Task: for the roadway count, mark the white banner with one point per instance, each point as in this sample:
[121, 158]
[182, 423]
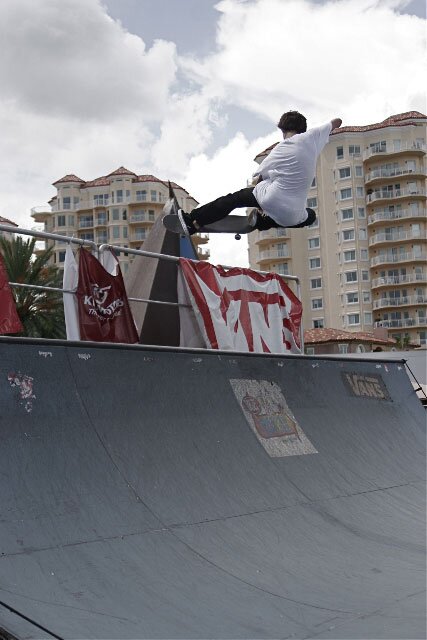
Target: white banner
[243, 310]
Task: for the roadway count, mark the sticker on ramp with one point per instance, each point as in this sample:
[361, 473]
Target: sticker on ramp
[270, 418]
[365, 386]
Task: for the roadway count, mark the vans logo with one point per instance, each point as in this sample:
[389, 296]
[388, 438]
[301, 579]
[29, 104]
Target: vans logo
[366, 386]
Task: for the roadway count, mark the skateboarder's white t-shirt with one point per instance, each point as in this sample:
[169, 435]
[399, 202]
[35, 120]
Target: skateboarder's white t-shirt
[287, 173]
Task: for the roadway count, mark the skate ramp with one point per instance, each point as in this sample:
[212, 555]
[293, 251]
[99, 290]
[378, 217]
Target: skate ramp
[161, 493]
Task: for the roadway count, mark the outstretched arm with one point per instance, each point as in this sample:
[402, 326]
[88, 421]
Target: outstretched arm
[336, 122]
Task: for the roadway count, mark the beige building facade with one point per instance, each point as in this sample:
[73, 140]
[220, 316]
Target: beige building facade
[363, 263]
[119, 208]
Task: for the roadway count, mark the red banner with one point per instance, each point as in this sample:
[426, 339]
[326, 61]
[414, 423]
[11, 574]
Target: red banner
[9, 319]
[243, 310]
[104, 312]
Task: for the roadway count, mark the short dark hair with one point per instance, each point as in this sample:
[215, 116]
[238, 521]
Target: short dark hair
[293, 121]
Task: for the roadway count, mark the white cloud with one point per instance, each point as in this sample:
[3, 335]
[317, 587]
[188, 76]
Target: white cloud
[70, 59]
[354, 58]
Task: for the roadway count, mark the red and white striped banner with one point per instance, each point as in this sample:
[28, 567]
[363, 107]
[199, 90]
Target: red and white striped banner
[242, 310]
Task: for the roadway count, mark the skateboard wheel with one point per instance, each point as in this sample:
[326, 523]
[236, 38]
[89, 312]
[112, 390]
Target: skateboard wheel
[237, 236]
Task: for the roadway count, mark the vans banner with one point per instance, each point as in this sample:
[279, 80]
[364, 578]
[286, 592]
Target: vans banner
[243, 310]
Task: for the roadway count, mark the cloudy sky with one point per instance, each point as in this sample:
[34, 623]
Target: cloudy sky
[189, 90]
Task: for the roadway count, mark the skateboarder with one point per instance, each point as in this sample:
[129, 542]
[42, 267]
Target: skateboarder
[284, 178]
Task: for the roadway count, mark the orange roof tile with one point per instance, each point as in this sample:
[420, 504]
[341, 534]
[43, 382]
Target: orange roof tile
[70, 177]
[121, 171]
[6, 221]
[313, 336]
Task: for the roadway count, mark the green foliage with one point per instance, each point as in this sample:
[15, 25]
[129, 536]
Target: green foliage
[41, 312]
[403, 341]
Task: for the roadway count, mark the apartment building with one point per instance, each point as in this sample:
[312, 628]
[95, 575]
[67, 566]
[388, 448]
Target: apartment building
[119, 208]
[6, 234]
[363, 263]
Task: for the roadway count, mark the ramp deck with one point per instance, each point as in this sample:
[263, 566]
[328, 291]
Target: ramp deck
[166, 493]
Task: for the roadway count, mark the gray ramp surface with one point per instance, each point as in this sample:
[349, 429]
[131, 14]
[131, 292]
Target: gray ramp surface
[165, 493]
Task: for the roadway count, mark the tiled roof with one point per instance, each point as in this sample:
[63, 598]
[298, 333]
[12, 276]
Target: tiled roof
[104, 181]
[121, 171]
[70, 177]
[6, 221]
[313, 336]
[401, 119]
[392, 121]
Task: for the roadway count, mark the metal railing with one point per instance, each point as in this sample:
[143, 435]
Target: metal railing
[99, 249]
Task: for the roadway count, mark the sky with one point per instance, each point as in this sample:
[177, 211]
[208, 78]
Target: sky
[189, 90]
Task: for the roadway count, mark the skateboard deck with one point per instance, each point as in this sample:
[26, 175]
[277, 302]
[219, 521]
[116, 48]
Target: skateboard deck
[230, 224]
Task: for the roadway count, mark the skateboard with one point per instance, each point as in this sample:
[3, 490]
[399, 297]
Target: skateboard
[231, 224]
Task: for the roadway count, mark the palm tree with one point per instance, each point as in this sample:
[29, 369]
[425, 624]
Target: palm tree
[41, 312]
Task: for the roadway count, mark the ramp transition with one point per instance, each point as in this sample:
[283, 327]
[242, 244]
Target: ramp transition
[160, 493]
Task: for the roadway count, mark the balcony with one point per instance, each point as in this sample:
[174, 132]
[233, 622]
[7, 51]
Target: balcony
[141, 217]
[101, 221]
[390, 149]
[41, 213]
[138, 237]
[379, 174]
[395, 194]
[406, 301]
[398, 236]
[398, 214]
[85, 223]
[393, 281]
[278, 254]
[402, 324]
[265, 237]
[395, 258]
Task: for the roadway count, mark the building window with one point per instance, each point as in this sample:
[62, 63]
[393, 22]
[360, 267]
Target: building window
[283, 269]
[358, 171]
[309, 351]
[317, 303]
[346, 194]
[61, 221]
[313, 184]
[71, 221]
[343, 348]
[316, 283]
[361, 212]
[116, 233]
[340, 153]
[354, 150]
[141, 196]
[153, 196]
[151, 215]
[315, 224]
[364, 254]
[366, 296]
[311, 203]
[351, 276]
[66, 203]
[352, 297]
[125, 232]
[347, 214]
[367, 317]
[318, 323]
[119, 195]
[345, 172]
[314, 263]
[353, 319]
[365, 276]
[348, 234]
[362, 234]
[116, 214]
[61, 256]
[314, 243]
[360, 192]
[350, 256]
